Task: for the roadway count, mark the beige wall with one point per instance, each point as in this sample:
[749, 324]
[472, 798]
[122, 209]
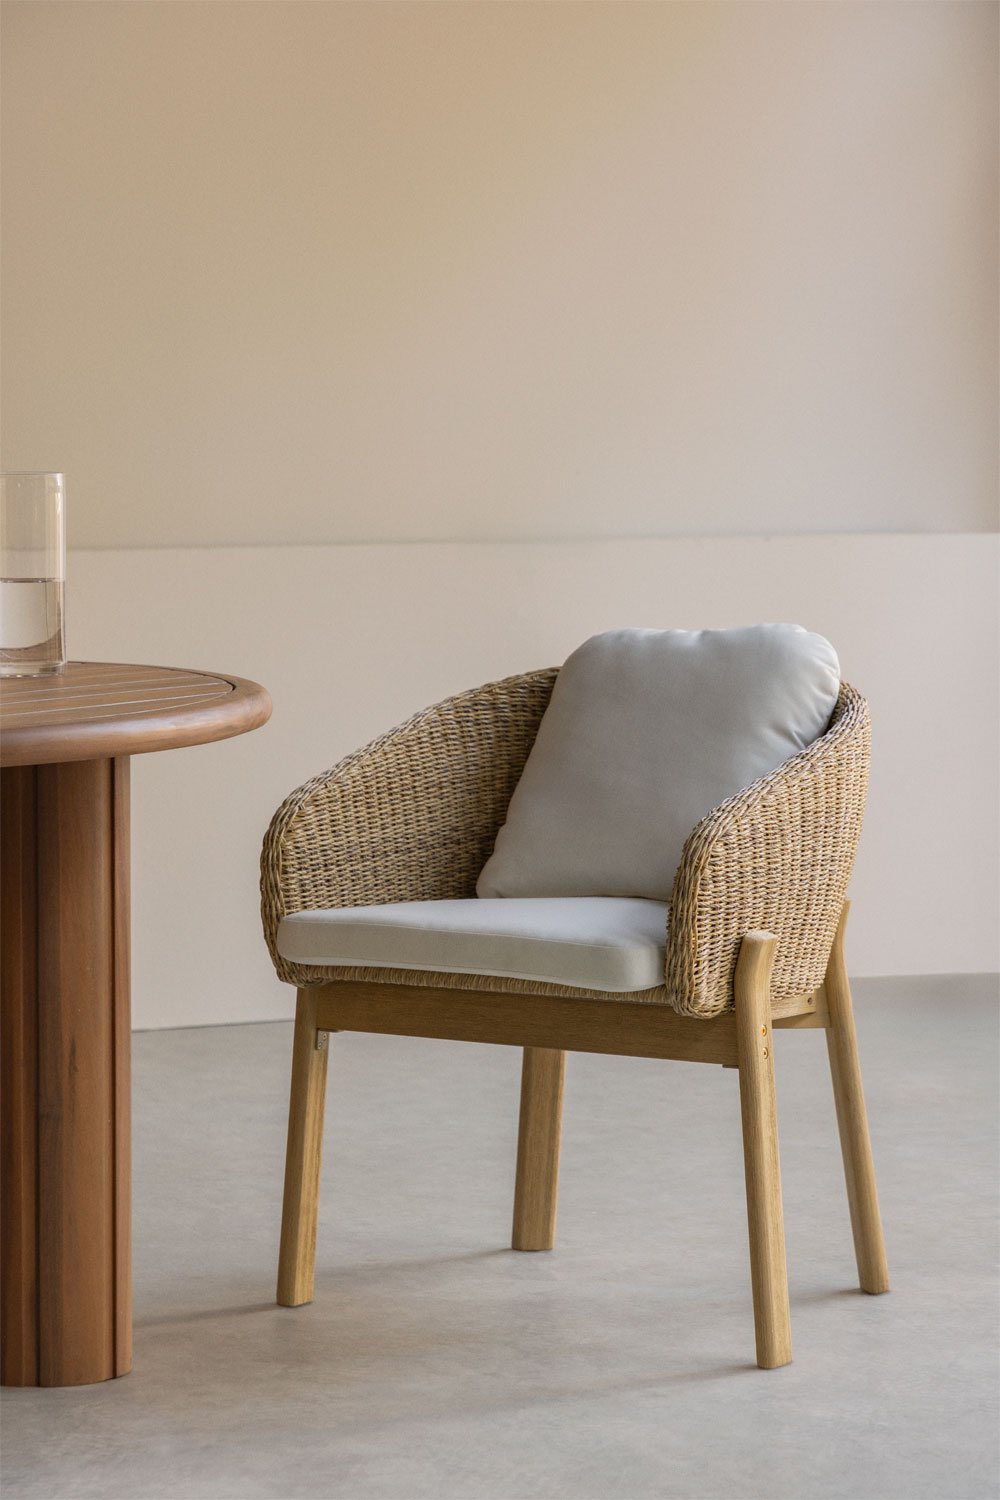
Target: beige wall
[312, 272]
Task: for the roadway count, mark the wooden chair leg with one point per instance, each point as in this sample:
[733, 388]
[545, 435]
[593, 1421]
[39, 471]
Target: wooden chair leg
[537, 1186]
[768, 1271]
[300, 1211]
[852, 1122]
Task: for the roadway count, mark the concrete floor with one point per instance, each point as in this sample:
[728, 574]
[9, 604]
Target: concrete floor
[436, 1363]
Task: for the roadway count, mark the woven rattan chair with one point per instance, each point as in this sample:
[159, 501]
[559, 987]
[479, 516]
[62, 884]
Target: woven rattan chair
[754, 944]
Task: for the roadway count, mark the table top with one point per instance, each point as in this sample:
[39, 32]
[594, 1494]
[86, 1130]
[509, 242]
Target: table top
[92, 709]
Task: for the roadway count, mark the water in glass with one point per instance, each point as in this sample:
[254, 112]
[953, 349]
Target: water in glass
[31, 626]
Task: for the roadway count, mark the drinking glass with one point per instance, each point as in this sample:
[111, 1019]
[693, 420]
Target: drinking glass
[32, 574]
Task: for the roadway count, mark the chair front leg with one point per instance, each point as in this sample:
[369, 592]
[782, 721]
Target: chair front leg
[536, 1189]
[765, 1217]
[300, 1211]
[852, 1122]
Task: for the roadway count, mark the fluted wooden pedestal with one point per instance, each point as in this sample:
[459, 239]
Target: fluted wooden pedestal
[65, 1050]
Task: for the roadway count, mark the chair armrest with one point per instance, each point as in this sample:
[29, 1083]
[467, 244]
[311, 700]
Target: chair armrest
[411, 817]
[775, 857]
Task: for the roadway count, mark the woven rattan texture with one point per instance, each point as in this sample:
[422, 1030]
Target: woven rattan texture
[774, 858]
[411, 817]
[414, 815]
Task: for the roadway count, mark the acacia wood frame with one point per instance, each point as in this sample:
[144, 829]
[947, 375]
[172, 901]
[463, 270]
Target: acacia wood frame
[549, 1026]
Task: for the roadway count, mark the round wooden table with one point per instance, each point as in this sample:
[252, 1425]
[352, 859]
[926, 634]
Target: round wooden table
[65, 1038]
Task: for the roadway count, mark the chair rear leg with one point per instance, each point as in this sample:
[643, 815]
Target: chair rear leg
[537, 1186]
[300, 1211]
[768, 1273]
[852, 1122]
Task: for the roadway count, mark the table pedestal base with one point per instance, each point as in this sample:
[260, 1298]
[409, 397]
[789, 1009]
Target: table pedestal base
[65, 1049]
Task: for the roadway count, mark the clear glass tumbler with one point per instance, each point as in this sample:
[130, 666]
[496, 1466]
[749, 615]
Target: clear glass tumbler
[32, 574]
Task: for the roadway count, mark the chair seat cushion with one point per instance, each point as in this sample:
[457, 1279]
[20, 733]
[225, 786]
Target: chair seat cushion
[645, 733]
[591, 942]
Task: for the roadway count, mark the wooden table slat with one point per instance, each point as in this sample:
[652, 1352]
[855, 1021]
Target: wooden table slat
[114, 703]
[77, 689]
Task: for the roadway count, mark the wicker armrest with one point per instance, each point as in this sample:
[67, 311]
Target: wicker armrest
[411, 817]
[775, 857]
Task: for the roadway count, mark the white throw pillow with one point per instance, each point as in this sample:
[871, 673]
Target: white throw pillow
[646, 731]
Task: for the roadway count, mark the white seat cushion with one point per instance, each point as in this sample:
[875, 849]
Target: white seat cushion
[589, 942]
[646, 732]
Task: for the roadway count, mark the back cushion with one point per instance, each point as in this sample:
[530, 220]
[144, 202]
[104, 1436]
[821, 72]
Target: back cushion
[646, 731]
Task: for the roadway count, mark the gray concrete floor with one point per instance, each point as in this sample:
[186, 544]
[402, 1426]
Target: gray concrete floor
[434, 1362]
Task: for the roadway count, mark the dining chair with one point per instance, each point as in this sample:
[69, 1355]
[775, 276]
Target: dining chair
[645, 852]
